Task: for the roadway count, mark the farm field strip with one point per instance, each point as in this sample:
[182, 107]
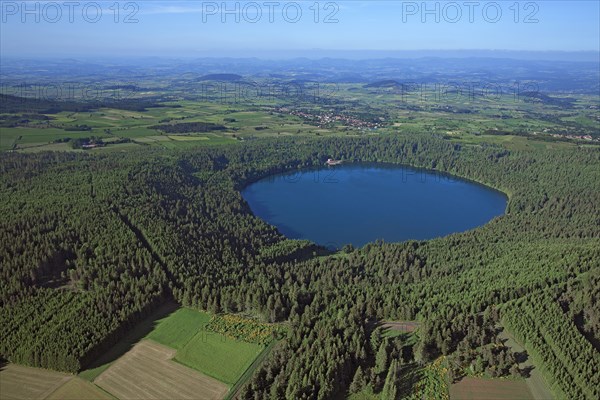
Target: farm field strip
[470, 388]
[235, 389]
[19, 382]
[79, 389]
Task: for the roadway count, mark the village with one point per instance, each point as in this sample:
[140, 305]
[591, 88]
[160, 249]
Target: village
[326, 119]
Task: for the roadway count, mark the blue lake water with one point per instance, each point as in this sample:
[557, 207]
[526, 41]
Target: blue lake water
[360, 203]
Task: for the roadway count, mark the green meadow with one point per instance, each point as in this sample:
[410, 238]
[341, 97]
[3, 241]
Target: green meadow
[178, 328]
[218, 356]
[211, 353]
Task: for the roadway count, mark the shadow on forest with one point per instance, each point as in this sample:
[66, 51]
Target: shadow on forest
[521, 357]
[526, 372]
[411, 374]
[141, 330]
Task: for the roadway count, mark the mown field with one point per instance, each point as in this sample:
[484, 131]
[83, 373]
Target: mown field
[79, 389]
[18, 382]
[140, 331]
[218, 356]
[177, 329]
[171, 354]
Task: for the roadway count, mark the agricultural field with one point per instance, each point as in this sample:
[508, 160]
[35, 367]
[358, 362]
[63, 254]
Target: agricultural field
[211, 353]
[506, 118]
[79, 389]
[244, 329]
[24, 383]
[471, 388]
[136, 129]
[218, 356]
[179, 342]
[177, 329]
[19, 382]
[147, 372]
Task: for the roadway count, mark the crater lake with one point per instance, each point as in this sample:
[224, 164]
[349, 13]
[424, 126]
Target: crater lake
[361, 203]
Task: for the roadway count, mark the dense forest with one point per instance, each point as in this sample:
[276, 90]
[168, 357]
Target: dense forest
[91, 243]
[45, 105]
[188, 127]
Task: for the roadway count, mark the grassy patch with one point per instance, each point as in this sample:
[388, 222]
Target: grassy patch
[535, 381]
[365, 394]
[218, 356]
[177, 329]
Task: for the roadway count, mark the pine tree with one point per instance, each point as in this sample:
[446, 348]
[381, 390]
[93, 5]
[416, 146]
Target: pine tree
[359, 381]
[390, 389]
[381, 359]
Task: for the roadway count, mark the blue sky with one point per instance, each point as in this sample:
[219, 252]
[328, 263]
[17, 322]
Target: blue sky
[197, 28]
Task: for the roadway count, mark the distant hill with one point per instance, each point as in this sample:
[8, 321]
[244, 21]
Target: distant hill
[564, 102]
[189, 127]
[383, 84]
[13, 104]
[221, 77]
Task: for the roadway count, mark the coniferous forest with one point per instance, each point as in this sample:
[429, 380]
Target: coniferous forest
[92, 243]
